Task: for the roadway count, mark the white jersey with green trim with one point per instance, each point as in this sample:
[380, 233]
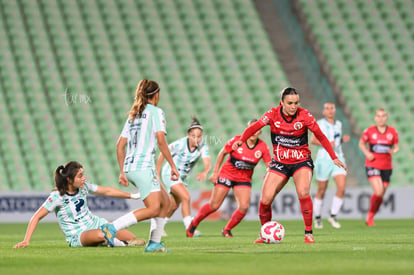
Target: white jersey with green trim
[140, 132]
[185, 159]
[72, 210]
[334, 133]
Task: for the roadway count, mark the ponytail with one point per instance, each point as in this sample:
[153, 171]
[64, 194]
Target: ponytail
[195, 124]
[146, 89]
[64, 173]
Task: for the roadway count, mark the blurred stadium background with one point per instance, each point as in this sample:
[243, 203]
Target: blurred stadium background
[69, 70]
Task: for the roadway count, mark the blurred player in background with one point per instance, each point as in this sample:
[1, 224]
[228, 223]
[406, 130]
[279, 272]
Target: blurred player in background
[382, 143]
[69, 202]
[235, 173]
[289, 125]
[325, 168]
[144, 129]
[186, 152]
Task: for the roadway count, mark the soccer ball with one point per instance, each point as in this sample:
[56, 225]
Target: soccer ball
[272, 232]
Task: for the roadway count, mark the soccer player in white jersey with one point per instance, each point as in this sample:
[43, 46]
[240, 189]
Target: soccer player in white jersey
[69, 202]
[186, 152]
[144, 129]
[325, 168]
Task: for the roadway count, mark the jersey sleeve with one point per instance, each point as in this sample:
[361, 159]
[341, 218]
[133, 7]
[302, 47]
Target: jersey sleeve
[205, 152]
[252, 129]
[158, 119]
[365, 135]
[396, 137]
[266, 154]
[90, 187]
[229, 144]
[125, 130]
[52, 201]
[174, 147]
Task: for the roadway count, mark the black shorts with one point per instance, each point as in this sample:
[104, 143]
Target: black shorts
[288, 170]
[226, 183]
[374, 172]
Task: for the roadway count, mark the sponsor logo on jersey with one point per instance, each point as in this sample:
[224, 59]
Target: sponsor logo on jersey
[240, 150]
[288, 142]
[277, 124]
[374, 136]
[389, 136]
[258, 154]
[381, 149]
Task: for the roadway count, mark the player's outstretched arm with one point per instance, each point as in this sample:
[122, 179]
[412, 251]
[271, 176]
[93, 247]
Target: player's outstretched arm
[120, 153]
[31, 227]
[220, 158]
[114, 193]
[207, 167]
[163, 146]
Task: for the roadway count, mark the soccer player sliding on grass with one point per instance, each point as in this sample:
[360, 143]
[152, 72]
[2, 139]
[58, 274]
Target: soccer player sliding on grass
[289, 125]
[69, 202]
[236, 173]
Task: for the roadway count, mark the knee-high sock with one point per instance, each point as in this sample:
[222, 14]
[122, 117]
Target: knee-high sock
[307, 211]
[125, 221]
[317, 207]
[265, 213]
[336, 205]
[375, 204]
[235, 219]
[204, 211]
[156, 233]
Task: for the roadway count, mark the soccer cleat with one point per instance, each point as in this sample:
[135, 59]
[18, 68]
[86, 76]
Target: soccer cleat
[156, 247]
[370, 222]
[309, 238]
[333, 222]
[318, 223]
[227, 233]
[259, 240]
[135, 242]
[109, 232]
[191, 230]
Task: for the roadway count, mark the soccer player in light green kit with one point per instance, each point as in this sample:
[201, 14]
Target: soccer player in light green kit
[144, 128]
[186, 152]
[69, 202]
[325, 168]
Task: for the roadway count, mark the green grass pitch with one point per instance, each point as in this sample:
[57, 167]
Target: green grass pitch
[387, 248]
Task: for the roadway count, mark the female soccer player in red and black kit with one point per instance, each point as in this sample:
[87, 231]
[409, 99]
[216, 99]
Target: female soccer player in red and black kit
[289, 126]
[236, 173]
[382, 144]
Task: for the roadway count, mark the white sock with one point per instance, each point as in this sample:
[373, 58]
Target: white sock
[124, 221]
[187, 220]
[118, 242]
[153, 225]
[336, 205]
[317, 207]
[156, 234]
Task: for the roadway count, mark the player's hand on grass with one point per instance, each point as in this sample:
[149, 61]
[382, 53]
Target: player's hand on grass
[22, 244]
[123, 179]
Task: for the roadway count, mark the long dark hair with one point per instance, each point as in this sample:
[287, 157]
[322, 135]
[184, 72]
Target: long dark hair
[65, 172]
[288, 91]
[146, 89]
